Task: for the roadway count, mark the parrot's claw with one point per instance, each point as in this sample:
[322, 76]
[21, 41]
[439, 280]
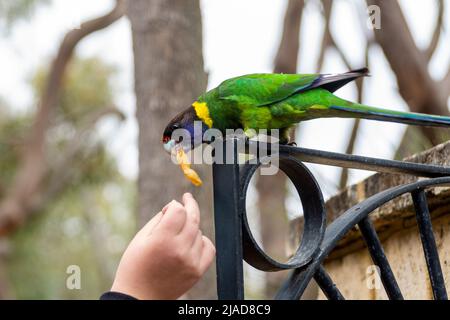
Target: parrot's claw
[292, 144]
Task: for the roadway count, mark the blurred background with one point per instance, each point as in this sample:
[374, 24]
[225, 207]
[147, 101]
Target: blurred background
[86, 88]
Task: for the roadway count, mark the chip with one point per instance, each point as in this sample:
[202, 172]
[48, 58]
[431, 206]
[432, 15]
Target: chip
[185, 165]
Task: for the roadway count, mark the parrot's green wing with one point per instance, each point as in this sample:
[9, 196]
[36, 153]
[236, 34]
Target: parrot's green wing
[264, 89]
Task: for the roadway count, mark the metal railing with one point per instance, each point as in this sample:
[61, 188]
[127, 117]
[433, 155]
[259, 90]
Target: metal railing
[235, 242]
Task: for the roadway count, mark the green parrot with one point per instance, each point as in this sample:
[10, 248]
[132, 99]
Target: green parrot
[279, 101]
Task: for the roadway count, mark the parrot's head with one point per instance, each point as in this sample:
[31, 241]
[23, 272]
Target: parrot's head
[184, 122]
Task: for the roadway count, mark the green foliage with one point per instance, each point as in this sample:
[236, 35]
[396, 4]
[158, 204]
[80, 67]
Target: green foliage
[13, 10]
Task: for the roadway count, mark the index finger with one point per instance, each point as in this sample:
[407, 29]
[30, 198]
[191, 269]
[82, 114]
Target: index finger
[192, 208]
[150, 225]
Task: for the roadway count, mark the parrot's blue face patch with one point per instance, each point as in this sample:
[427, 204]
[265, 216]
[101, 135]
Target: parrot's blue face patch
[196, 130]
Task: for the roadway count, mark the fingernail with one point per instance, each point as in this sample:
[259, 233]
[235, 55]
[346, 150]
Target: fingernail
[175, 203]
[164, 209]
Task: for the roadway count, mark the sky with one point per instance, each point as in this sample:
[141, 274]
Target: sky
[239, 37]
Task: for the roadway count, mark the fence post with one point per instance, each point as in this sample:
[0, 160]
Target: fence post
[228, 228]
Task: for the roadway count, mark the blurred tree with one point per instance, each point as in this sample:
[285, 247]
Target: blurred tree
[13, 11]
[169, 76]
[45, 153]
[25, 189]
[89, 226]
[80, 173]
[410, 65]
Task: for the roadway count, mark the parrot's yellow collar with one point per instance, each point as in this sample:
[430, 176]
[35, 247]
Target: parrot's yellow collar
[202, 111]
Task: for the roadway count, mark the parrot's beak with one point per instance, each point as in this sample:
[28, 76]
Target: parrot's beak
[169, 145]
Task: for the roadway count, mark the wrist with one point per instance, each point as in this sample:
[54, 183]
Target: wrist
[135, 291]
[113, 295]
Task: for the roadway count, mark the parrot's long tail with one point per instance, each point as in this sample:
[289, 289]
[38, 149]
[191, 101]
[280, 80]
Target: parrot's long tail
[366, 112]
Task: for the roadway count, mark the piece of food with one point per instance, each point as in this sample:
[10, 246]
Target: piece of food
[185, 165]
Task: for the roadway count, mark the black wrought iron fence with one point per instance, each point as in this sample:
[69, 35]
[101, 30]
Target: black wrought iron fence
[235, 242]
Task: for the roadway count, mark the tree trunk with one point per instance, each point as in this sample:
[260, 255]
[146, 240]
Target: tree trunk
[169, 76]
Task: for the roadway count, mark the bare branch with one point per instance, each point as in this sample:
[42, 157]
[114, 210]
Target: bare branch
[410, 66]
[445, 84]
[437, 31]
[326, 41]
[328, 38]
[286, 58]
[32, 169]
[340, 52]
[408, 63]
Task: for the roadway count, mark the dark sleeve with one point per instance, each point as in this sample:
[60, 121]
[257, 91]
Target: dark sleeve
[112, 295]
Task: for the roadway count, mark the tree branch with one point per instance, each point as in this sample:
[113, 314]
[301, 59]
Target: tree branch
[437, 32]
[31, 171]
[408, 63]
[326, 41]
[328, 38]
[286, 58]
[410, 66]
[445, 83]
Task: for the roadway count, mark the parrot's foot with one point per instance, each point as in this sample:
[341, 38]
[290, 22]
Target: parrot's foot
[286, 141]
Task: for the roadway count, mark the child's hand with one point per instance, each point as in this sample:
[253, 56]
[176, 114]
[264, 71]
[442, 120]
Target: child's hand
[167, 256]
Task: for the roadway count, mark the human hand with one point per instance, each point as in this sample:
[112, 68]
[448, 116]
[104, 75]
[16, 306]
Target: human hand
[167, 256]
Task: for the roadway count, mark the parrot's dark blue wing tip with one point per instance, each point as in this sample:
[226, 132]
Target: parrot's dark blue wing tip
[333, 82]
[362, 71]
